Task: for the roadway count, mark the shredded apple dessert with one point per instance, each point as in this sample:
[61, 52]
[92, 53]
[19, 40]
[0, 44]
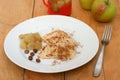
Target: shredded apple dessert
[59, 45]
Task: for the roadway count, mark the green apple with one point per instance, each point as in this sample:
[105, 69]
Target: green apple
[86, 4]
[103, 10]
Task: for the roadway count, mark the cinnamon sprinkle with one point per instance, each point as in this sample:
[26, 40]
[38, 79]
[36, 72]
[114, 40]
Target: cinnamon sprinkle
[60, 46]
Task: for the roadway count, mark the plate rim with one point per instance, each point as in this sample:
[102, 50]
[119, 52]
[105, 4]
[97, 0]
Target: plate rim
[49, 16]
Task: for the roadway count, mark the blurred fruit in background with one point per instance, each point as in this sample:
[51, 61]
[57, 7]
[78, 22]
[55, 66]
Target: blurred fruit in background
[86, 4]
[103, 10]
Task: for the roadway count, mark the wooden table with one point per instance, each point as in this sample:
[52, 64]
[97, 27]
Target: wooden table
[13, 12]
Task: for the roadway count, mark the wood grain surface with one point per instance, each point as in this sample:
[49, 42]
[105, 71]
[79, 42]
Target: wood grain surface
[12, 12]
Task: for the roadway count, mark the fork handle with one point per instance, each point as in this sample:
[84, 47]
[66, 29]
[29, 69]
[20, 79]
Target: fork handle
[99, 63]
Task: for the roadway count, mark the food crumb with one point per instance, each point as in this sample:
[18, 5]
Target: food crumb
[78, 52]
[55, 62]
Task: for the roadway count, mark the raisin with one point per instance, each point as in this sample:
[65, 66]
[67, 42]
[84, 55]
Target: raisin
[30, 57]
[32, 54]
[26, 51]
[35, 50]
[38, 60]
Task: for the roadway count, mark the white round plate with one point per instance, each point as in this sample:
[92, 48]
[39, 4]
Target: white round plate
[82, 33]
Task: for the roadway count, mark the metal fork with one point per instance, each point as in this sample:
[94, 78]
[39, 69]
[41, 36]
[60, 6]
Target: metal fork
[105, 40]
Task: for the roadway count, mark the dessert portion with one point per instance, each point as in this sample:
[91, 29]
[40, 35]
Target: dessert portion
[59, 45]
[30, 41]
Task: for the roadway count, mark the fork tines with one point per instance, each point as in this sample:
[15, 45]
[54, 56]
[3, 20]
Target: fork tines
[107, 33]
